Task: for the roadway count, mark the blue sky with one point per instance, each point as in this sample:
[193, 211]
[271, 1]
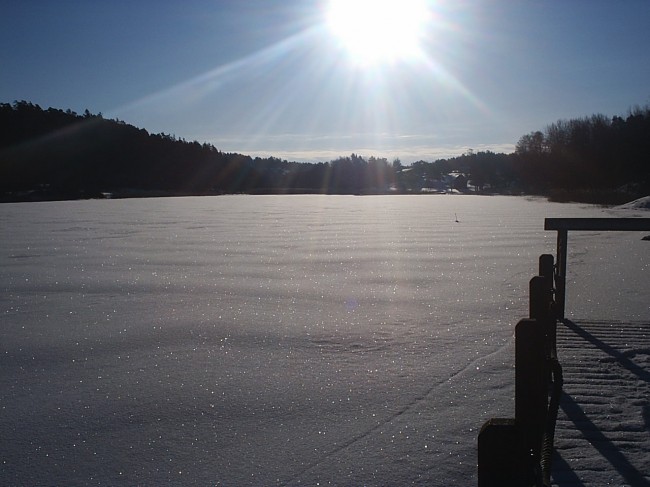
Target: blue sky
[265, 77]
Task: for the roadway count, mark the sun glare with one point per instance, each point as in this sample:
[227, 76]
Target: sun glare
[378, 31]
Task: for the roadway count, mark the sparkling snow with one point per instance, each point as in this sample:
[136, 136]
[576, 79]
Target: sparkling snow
[279, 340]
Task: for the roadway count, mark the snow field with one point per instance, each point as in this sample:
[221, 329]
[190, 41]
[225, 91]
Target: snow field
[274, 340]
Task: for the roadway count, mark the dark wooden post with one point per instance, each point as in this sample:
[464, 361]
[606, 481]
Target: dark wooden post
[560, 272]
[546, 262]
[542, 306]
[498, 453]
[531, 390]
[540, 299]
[546, 270]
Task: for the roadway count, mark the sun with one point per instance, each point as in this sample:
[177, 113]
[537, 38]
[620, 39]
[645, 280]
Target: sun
[378, 31]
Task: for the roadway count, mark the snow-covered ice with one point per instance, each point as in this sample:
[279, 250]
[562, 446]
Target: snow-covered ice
[277, 340]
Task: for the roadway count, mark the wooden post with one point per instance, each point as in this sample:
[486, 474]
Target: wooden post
[546, 270]
[560, 272]
[531, 390]
[540, 299]
[546, 262]
[498, 453]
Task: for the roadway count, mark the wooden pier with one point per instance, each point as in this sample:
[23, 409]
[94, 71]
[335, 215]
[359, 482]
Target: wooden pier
[519, 451]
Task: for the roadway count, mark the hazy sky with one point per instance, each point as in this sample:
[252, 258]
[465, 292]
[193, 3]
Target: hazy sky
[266, 77]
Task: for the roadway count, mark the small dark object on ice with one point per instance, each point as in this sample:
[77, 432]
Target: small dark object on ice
[647, 237]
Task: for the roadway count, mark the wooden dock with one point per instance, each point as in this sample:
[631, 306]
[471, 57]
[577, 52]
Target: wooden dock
[603, 426]
[582, 414]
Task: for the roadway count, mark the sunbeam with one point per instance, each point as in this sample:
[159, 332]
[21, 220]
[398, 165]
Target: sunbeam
[195, 89]
[303, 94]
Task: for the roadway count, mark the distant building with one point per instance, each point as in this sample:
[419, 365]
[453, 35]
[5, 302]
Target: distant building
[435, 186]
[457, 181]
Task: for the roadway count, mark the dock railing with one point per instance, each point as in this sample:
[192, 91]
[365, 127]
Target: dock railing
[517, 451]
[564, 225]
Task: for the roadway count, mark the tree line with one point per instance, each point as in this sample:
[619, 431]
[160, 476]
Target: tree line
[56, 154]
[596, 154]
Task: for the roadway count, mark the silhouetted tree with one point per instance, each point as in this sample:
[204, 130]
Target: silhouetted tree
[53, 154]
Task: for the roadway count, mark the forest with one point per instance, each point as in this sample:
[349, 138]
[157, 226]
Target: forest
[52, 154]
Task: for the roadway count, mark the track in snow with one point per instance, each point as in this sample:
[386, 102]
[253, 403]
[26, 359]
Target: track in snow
[413, 404]
[603, 427]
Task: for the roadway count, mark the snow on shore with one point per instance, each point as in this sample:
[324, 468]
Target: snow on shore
[639, 204]
[275, 340]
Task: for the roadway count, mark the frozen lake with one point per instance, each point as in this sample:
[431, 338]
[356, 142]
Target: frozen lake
[277, 340]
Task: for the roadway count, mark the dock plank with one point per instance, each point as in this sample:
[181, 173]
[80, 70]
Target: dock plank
[603, 427]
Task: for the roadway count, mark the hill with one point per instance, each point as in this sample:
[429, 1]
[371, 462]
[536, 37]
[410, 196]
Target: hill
[51, 154]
